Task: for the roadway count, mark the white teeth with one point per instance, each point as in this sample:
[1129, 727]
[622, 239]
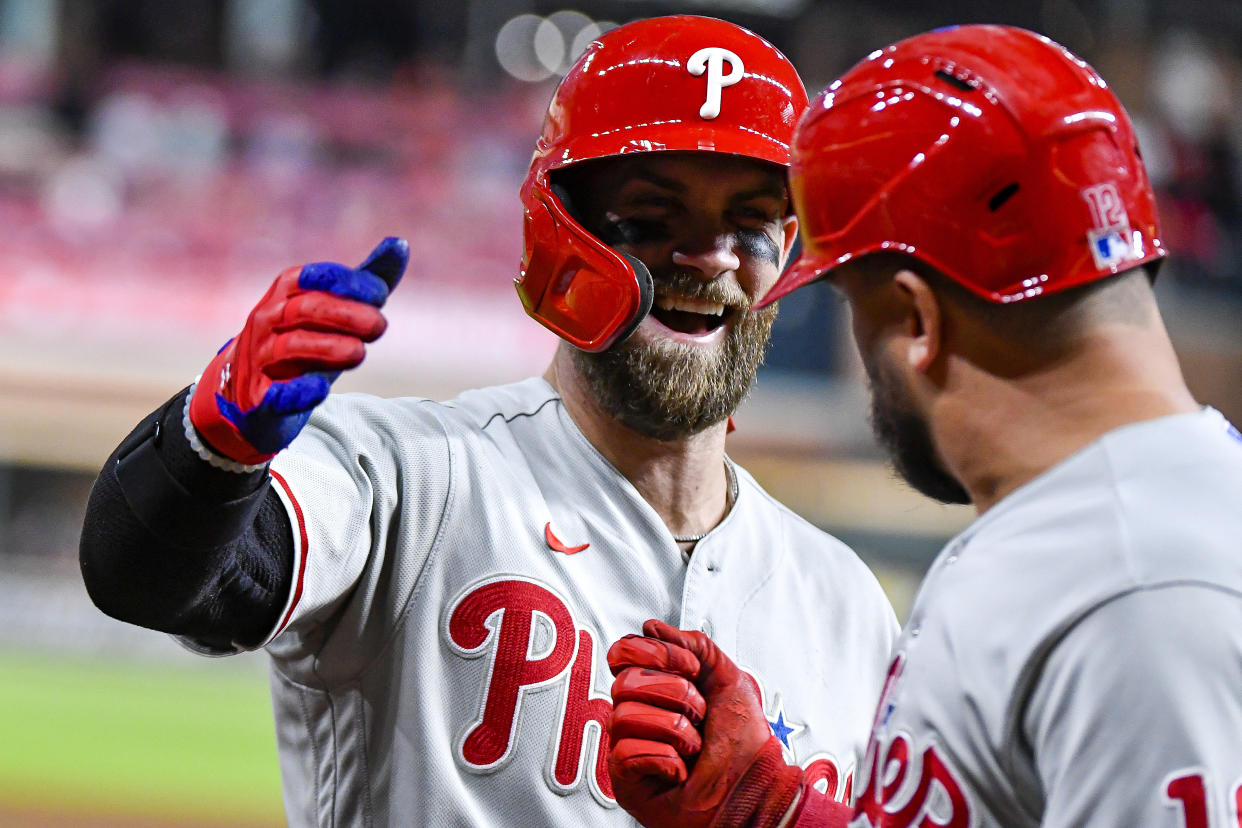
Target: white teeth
[690, 305]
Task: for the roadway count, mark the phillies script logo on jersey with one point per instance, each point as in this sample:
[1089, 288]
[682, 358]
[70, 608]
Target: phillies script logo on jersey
[534, 644]
[527, 631]
[905, 784]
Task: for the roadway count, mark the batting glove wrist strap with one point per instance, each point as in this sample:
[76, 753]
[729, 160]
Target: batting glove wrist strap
[201, 449]
[763, 795]
[817, 810]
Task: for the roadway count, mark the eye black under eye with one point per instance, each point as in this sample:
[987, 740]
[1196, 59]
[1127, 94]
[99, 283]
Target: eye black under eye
[759, 245]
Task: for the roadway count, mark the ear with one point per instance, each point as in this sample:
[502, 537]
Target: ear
[926, 319]
[790, 226]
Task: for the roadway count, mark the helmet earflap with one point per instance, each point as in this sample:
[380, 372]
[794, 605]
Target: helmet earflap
[599, 296]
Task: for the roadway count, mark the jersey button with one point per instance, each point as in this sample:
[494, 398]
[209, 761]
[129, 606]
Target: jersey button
[705, 627]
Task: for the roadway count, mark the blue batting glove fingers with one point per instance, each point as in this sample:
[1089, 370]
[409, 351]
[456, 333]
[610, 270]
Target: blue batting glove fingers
[272, 424]
[299, 394]
[388, 260]
[370, 282]
[331, 277]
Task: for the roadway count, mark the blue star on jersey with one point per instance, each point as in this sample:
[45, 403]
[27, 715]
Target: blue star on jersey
[782, 728]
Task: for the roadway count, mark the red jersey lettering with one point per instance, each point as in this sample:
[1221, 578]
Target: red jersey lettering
[514, 617]
[887, 811]
[823, 774]
[584, 711]
[1190, 791]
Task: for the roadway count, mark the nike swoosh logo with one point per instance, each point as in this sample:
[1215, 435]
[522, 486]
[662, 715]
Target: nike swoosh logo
[555, 544]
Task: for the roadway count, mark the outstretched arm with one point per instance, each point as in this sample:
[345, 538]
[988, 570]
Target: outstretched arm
[183, 532]
[669, 681]
[174, 544]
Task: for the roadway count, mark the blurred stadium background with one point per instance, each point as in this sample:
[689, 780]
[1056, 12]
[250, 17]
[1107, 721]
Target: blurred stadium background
[161, 160]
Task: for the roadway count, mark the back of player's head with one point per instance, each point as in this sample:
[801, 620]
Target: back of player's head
[990, 153]
[1029, 330]
[667, 84]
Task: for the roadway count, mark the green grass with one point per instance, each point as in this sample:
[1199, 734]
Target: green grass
[160, 743]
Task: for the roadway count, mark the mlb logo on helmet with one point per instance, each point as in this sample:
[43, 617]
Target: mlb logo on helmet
[1109, 236]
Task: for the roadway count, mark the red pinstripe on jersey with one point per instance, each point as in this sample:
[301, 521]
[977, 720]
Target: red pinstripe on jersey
[301, 576]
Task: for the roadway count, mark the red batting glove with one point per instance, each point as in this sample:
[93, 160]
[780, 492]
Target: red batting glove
[258, 392]
[655, 715]
[739, 777]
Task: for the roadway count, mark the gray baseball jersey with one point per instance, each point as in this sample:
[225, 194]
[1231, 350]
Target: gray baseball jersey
[461, 570]
[1074, 657]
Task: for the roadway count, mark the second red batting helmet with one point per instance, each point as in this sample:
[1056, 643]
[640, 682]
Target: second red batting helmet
[989, 152]
[679, 83]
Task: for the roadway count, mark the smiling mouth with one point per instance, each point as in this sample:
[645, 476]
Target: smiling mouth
[689, 316]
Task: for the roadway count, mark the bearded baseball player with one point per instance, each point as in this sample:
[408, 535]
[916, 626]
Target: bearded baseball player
[1074, 657]
[436, 583]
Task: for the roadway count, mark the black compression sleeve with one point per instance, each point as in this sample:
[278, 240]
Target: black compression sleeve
[171, 543]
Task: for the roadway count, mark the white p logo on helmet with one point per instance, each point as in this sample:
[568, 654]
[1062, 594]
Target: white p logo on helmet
[711, 60]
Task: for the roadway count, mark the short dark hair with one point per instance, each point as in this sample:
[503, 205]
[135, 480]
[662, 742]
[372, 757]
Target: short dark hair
[1043, 323]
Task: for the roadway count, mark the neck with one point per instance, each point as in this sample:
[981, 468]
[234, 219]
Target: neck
[1007, 431]
[684, 480]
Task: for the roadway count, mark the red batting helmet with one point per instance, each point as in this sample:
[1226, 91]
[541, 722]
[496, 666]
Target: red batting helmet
[678, 83]
[989, 152]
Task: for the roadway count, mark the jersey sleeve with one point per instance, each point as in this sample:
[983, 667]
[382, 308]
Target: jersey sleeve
[364, 487]
[1134, 719]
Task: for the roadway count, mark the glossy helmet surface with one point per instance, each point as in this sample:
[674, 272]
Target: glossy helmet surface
[989, 152]
[678, 83]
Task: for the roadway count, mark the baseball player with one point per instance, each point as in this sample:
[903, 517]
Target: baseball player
[436, 583]
[1074, 657]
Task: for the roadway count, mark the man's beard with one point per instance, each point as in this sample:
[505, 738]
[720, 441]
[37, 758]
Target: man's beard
[668, 390]
[906, 437]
